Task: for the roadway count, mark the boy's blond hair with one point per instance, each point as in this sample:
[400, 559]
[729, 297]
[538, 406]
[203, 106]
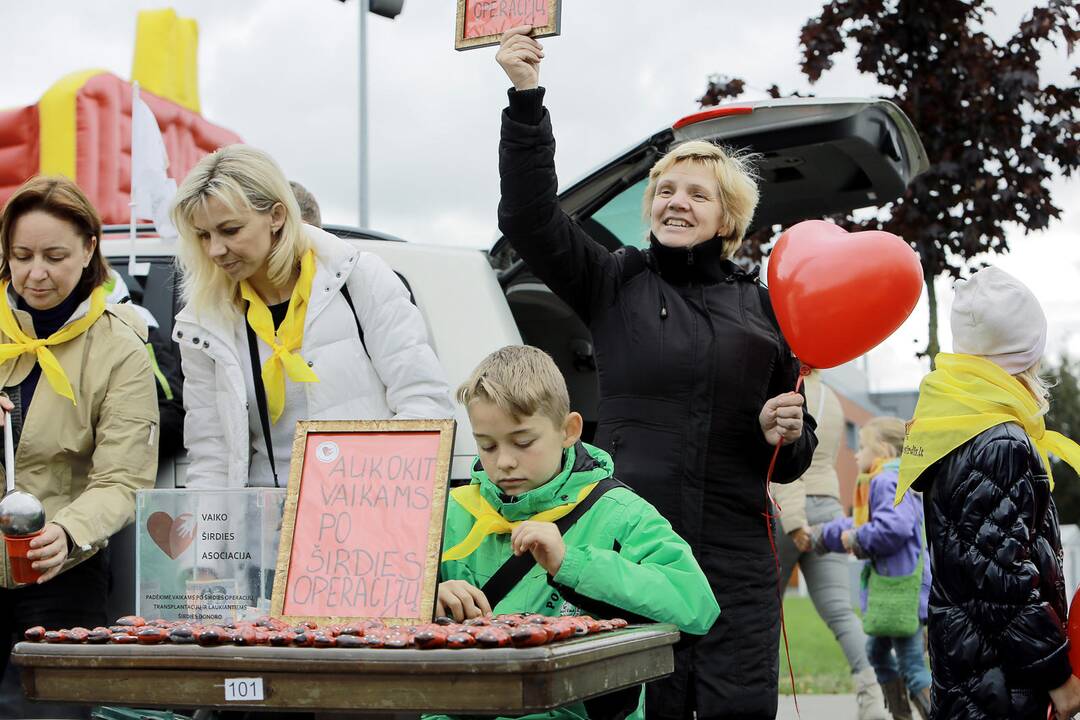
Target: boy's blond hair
[521, 381]
[887, 433]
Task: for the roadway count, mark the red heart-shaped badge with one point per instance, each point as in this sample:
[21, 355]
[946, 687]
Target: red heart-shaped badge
[172, 536]
[837, 294]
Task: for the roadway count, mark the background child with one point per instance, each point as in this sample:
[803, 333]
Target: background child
[977, 449]
[620, 556]
[892, 540]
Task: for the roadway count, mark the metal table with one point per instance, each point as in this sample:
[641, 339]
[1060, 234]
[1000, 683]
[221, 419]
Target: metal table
[473, 681]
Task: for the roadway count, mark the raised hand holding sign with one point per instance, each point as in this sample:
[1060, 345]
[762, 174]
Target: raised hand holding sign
[519, 56]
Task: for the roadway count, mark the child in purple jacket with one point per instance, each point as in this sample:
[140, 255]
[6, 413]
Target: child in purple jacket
[890, 537]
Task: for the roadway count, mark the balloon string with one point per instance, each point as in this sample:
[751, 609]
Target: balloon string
[804, 370]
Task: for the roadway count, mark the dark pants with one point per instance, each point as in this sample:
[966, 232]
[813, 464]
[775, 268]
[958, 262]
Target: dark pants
[75, 598]
[731, 672]
[894, 657]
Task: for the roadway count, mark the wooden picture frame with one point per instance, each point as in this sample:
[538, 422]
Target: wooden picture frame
[499, 20]
[318, 463]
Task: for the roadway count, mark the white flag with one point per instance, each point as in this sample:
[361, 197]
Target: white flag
[152, 190]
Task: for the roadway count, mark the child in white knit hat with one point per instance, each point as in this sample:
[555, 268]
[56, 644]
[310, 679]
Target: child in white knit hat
[978, 450]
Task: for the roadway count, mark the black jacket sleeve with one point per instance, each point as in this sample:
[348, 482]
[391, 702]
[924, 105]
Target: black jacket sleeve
[993, 510]
[170, 382]
[576, 268]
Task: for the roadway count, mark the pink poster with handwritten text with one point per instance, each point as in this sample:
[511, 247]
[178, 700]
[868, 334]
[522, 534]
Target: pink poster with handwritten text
[493, 17]
[360, 540]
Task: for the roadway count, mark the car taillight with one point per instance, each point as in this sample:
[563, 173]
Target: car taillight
[710, 114]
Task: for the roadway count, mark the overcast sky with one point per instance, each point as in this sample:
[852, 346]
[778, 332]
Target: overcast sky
[283, 75]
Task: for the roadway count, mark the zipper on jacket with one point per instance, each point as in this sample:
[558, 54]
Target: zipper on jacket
[690, 256]
[707, 313]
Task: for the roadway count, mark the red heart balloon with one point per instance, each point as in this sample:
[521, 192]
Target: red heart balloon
[838, 294]
[1073, 632]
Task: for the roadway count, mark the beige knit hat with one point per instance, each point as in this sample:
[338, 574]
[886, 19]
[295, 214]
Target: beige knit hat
[994, 315]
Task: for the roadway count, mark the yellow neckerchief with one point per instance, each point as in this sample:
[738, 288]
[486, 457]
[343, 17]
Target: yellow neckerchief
[860, 503]
[23, 343]
[964, 396]
[283, 360]
[488, 519]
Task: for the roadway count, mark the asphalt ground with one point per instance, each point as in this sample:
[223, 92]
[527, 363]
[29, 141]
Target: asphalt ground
[817, 707]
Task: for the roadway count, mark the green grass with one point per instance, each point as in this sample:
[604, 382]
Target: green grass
[816, 658]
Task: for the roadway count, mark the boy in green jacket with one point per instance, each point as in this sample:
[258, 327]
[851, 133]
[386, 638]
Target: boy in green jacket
[532, 469]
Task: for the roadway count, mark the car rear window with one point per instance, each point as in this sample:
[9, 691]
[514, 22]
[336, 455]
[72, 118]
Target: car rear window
[621, 216]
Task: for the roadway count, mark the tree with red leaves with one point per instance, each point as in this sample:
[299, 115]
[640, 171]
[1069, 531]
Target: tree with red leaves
[995, 135]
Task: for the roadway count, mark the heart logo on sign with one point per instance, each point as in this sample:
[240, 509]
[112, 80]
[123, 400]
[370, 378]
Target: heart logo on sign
[173, 536]
[837, 294]
[327, 452]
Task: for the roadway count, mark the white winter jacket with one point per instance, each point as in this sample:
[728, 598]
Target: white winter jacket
[402, 379]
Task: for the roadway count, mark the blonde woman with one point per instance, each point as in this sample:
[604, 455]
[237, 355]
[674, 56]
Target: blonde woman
[695, 378]
[283, 322]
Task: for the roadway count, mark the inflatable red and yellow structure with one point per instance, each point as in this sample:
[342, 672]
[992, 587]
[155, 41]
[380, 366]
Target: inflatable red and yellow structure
[81, 126]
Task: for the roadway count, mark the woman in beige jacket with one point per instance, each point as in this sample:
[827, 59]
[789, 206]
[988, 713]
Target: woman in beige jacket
[811, 500]
[77, 381]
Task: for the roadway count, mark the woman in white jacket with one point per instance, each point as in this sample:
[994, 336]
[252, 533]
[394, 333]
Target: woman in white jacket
[334, 333]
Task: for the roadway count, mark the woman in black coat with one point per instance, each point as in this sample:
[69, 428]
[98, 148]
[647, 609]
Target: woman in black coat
[695, 378]
[997, 646]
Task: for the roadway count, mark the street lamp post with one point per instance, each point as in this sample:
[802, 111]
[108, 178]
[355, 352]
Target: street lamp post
[362, 152]
[388, 9]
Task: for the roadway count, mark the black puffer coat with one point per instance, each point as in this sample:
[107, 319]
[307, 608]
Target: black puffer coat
[687, 354]
[997, 604]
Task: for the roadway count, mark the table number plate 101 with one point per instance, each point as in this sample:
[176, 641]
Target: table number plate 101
[243, 689]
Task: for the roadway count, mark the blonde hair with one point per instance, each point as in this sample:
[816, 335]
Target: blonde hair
[735, 178]
[887, 433]
[241, 178]
[1037, 386]
[521, 381]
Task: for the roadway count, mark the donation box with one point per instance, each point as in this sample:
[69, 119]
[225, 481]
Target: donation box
[356, 534]
[206, 555]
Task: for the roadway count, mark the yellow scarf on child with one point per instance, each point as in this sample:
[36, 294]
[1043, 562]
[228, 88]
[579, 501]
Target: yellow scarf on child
[23, 343]
[964, 396]
[489, 521]
[284, 360]
[860, 503]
